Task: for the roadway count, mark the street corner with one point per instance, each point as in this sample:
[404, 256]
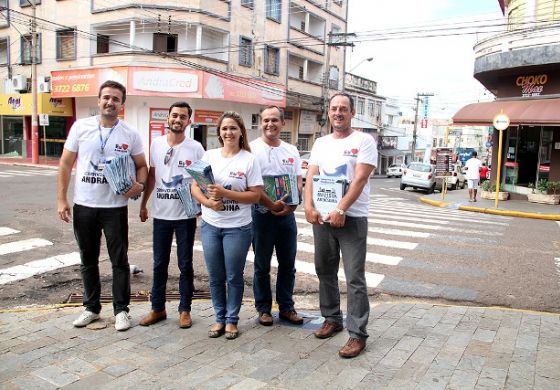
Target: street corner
[511, 213]
[434, 202]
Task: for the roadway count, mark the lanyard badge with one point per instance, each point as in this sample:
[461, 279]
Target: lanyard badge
[103, 142]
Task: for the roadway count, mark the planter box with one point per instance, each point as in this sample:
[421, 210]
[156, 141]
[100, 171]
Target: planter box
[492, 195]
[544, 198]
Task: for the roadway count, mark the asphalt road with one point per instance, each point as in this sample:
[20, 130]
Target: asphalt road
[415, 251]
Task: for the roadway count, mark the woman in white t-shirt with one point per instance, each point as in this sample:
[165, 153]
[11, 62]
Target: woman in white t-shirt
[226, 228]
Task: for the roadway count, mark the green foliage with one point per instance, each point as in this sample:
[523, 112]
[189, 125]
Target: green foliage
[547, 187]
[489, 186]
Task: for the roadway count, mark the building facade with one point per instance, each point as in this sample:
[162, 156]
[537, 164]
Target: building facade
[218, 55]
[521, 67]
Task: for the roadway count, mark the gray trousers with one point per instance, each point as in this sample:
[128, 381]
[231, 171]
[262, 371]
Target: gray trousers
[351, 240]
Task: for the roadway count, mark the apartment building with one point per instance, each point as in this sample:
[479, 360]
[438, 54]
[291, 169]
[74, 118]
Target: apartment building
[521, 67]
[219, 55]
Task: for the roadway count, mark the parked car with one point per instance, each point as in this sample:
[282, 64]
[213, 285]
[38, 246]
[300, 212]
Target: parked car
[455, 181]
[304, 156]
[395, 170]
[419, 175]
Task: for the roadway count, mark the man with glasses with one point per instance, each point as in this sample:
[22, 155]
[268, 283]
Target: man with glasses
[169, 156]
[93, 142]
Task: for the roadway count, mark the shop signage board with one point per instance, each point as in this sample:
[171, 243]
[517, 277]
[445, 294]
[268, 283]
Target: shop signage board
[20, 104]
[444, 161]
[172, 82]
[207, 117]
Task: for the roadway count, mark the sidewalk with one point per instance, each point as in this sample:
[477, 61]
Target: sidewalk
[411, 345]
[459, 199]
[51, 163]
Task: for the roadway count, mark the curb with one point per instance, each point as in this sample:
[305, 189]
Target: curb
[24, 164]
[508, 213]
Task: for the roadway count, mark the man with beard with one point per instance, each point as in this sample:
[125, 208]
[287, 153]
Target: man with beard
[169, 156]
[94, 141]
[351, 155]
[274, 223]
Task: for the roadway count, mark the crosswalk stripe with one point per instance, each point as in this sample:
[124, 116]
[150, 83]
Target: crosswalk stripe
[435, 216]
[372, 279]
[6, 231]
[36, 267]
[372, 241]
[23, 245]
[371, 257]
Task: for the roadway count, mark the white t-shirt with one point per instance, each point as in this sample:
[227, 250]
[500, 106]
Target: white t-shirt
[91, 188]
[276, 160]
[165, 200]
[473, 166]
[338, 158]
[236, 173]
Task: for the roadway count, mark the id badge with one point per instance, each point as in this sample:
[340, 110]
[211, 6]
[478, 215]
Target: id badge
[101, 164]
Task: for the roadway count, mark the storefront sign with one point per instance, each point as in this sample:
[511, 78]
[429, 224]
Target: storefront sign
[158, 122]
[532, 85]
[207, 117]
[501, 121]
[173, 82]
[20, 104]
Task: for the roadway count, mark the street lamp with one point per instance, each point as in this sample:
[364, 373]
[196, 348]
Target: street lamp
[369, 59]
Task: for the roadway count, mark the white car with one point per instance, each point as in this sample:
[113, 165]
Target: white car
[419, 175]
[455, 181]
[395, 170]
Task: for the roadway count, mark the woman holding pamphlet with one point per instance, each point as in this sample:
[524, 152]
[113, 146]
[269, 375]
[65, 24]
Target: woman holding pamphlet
[232, 183]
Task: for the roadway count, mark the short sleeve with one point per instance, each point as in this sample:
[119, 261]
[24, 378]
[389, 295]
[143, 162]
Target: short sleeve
[254, 177]
[72, 143]
[368, 152]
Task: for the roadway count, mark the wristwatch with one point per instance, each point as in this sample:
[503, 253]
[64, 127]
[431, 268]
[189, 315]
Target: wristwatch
[339, 211]
[143, 185]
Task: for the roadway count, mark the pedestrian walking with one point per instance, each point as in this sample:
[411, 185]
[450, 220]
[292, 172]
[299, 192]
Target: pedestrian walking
[93, 142]
[473, 167]
[169, 156]
[274, 223]
[226, 227]
[351, 155]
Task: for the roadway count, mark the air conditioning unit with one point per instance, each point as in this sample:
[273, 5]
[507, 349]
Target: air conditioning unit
[43, 85]
[19, 82]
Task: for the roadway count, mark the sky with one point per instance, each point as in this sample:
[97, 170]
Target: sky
[403, 67]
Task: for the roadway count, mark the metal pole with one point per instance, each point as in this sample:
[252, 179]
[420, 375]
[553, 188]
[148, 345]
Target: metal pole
[34, 121]
[498, 179]
[413, 149]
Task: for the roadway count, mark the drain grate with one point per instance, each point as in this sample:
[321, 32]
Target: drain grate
[137, 297]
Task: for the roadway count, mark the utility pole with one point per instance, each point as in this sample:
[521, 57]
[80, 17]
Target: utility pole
[418, 97]
[326, 75]
[34, 116]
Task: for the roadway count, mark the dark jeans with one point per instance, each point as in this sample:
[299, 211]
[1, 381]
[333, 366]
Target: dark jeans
[89, 222]
[163, 236]
[269, 233]
[351, 240]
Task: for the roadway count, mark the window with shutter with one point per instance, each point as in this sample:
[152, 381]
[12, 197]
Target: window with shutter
[66, 44]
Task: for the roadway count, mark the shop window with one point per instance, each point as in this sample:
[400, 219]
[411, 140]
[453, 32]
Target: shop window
[66, 44]
[272, 60]
[26, 50]
[245, 51]
[102, 44]
[4, 51]
[274, 10]
[545, 154]
[165, 43]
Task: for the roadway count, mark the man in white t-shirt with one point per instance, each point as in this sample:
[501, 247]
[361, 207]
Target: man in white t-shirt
[473, 167]
[93, 142]
[274, 223]
[351, 155]
[169, 156]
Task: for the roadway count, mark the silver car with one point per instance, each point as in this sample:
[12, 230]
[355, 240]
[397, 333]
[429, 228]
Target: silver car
[419, 175]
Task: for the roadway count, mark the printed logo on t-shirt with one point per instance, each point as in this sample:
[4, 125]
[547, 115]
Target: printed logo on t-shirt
[351, 153]
[175, 181]
[95, 176]
[338, 171]
[184, 164]
[288, 161]
[121, 147]
[169, 192]
[237, 175]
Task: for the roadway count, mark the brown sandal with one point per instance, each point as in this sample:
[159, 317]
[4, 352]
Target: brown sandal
[214, 333]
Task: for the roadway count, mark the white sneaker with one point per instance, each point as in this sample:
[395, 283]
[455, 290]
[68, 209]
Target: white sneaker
[122, 321]
[87, 317]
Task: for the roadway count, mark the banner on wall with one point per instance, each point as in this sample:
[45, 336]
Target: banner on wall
[20, 104]
[172, 82]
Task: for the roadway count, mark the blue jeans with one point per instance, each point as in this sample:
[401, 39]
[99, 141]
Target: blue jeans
[89, 223]
[269, 233]
[225, 253]
[163, 236]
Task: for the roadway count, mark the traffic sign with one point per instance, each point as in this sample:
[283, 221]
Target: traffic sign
[501, 121]
[43, 119]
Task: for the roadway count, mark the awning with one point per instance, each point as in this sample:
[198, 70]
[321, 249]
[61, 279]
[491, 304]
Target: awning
[390, 152]
[526, 111]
